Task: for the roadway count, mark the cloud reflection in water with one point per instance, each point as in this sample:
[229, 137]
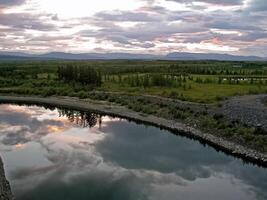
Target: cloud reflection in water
[63, 154]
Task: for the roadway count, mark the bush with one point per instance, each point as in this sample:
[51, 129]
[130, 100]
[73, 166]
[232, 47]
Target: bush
[219, 98]
[148, 110]
[173, 95]
[177, 114]
[218, 116]
[82, 95]
[48, 92]
[208, 122]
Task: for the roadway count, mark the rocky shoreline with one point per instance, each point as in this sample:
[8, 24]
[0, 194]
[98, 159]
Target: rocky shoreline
[120, 111]
[5, 190]
[250, 110]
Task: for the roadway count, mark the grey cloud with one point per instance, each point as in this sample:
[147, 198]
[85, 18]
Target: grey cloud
[257, 5]
[217, 2]
[189, 16]
[229, 25]
[127, 16]
[11, 2]
[193, 26]
[257, 49]
[16, 136]
[150, 31]
[237, 20]
[46, 38]
[195, 38]
[122, 41]
[252, 36]
[151, 14]
[118, 38]
[25, 21]
[147, 45]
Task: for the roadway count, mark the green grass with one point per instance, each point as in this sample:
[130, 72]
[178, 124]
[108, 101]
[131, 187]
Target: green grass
[205, 93]
[20, 76]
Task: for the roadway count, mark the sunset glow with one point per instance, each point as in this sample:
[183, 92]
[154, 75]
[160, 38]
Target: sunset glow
[134, 26]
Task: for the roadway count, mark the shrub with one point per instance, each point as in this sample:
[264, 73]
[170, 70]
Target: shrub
[173, 94]
[208, 122]
[82, 95]
[218, 116]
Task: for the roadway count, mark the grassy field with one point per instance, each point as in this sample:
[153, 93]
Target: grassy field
[192, 91]
[196, 81]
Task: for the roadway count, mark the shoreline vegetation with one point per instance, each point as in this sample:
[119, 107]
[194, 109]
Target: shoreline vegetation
[182, 128]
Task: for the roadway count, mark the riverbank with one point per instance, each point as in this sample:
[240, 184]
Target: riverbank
[121, 111]
[5, 190]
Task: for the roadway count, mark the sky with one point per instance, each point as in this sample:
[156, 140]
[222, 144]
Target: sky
[236, 27]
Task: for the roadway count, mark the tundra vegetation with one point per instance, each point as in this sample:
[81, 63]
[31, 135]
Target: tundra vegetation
[135, 84]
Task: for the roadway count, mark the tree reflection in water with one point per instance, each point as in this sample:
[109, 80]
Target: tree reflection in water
[83, 119]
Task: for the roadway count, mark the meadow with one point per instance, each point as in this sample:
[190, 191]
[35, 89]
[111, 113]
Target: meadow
[196, 81]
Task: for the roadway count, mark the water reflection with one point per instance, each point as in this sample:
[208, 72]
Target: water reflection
[62, 154]
[84, 119]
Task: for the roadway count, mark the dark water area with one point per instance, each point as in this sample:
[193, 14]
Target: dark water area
[65, 155]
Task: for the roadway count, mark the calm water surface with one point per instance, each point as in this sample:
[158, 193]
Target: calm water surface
[64, 155]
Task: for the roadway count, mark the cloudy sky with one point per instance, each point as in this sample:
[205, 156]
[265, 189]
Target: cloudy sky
[135, 26]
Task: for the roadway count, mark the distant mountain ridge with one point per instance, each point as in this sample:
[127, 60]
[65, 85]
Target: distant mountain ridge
[211, 56]
[127, 56]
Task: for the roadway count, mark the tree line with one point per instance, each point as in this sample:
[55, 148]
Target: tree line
[148, 80]
[85, 75]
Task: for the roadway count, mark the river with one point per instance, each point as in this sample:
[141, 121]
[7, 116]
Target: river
[59, 154]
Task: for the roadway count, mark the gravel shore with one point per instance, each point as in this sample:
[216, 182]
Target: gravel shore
[250, 110]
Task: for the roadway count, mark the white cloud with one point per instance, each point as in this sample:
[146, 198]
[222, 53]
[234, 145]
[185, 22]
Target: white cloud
[82, 8]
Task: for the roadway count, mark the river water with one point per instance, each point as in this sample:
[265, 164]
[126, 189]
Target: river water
[57, 154]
